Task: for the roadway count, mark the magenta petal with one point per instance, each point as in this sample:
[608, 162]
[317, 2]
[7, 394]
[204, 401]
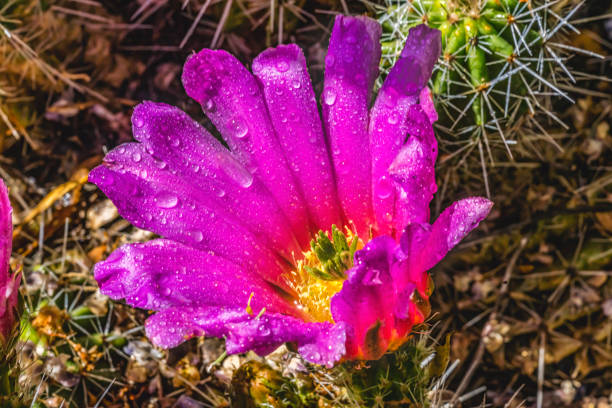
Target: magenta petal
[170, 135]
[320, 343]
[6, 238]
[351, 66]
[404, 309]
[232, 99]
[9, 284]
[413, 243]
[413, 172]
[152, 197]
[161, 273]
[419, 55]
[393, 114]
[427, 103]
[367, 299]
[452, 226]
[293, 110]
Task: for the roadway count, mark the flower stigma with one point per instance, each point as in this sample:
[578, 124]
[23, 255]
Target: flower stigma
[321, 272]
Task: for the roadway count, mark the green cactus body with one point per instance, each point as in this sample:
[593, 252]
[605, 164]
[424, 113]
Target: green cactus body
[497, 56]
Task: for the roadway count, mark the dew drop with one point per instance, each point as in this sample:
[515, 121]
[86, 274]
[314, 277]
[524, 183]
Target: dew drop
[384, 188]
[136, 157]
[330, 60]
[296, 84]
[209, 105]
[235, 170]
[174, 141]
[282, 66]
[138, 122]
[197, 236]
[240, 129]
[393, 118]
[166, 199]
[329, 96]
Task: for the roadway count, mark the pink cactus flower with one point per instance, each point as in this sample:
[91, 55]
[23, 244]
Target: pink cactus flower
[9, 284]
[235, 259]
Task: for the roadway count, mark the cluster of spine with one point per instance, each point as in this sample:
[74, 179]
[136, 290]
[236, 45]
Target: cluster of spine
[411, 377]
[500, 58]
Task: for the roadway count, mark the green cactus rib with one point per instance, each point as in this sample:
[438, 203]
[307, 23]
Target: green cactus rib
[498, 58]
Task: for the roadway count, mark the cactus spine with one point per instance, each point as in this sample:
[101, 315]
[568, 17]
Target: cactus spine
[500, 59]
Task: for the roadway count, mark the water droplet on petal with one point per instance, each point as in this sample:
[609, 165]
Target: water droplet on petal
[136, 157]
[384, 188]
[282, 66]
[240, 129]
[329, 96]
[330, 60]
[209, 105]
[393, 118]
[138, 122]
[166, 199]
[235, 170]
[197, 236]
[296, 84]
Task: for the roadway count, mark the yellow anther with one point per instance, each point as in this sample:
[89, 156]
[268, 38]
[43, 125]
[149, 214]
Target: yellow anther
[249, 310]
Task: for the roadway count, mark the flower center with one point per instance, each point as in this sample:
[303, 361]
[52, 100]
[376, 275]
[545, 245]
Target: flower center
[321, 272]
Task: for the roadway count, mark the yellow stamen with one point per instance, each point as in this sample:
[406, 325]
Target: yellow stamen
[249, 309]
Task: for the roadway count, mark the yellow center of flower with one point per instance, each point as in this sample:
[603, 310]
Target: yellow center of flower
[320, 273]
